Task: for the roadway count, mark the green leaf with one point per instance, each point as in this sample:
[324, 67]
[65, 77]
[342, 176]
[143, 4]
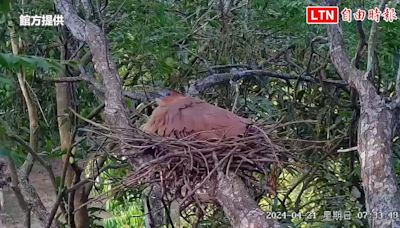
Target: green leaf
[5, 6]
[170, 62]
[10, 61]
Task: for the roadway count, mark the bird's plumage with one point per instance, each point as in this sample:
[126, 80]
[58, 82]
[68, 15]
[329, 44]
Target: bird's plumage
[180, 116]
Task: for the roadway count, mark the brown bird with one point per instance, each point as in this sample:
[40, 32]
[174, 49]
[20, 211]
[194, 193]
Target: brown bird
[179, 116]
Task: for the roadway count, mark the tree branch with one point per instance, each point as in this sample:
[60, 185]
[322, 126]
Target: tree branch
[222, 78]
[25, 192]
[372, 43]
[398, 84]
[241, 210]
[91, 34]
[15, 185]
[34, 200]
[55, 207]
[100, 88]
[210, 81]
[346, 70]
[36, 157]
[360, 46]
[66, 79]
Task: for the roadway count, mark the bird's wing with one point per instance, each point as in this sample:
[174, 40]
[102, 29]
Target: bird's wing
[190, 115]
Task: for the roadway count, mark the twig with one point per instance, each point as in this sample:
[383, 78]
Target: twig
[55, 207]
[38, 158]
[351, 149]
[216, 168]
[88, 120]
[297, 122]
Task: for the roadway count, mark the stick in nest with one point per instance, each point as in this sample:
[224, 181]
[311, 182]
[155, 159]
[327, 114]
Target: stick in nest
[193, 159]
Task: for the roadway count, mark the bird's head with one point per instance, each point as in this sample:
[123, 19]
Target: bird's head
[167, 96]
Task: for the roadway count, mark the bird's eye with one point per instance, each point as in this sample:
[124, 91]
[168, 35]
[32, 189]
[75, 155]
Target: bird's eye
[168, 94]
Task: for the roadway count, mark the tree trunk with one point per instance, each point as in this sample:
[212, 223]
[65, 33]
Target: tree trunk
[241, 210]
[375, 151]
[63, 96]
[64, 126]
[375, 131]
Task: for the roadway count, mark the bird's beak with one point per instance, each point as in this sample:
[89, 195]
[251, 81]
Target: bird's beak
[161, 94]
[155, 95]
[158, 96]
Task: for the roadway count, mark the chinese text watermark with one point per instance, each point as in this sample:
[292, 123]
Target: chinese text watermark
[42, 20]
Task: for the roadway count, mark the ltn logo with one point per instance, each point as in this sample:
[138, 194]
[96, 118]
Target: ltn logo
[322, 15]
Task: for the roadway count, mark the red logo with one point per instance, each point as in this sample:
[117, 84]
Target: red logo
[322, 15]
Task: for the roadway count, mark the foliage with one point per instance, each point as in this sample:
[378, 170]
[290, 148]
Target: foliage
[171, 44]
[127, 213]
[126, 207]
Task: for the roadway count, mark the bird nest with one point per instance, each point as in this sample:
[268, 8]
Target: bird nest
[182, 166]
